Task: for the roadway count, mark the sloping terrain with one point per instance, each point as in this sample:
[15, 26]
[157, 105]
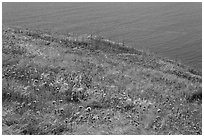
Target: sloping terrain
[66, 84]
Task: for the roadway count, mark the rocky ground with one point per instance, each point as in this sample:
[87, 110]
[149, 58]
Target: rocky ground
[56, 83]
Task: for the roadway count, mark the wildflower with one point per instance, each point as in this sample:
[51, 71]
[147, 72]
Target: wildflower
[29, 104]
[57, 88]
[54, 102]
[38, 112]
[35, 82]
[51, 84]
[128, 116]
[23, 104]
[60, 101]
[95, 117]
[25, 88]
[81, 117]
[88, 109]
[55, 111]
[129, 101]
[66, 120]
[108, 117]
[76, 114]
[61, 110]
[158, 110]
[117, 107]
[8, 94]
[80, 107]
[34, 101]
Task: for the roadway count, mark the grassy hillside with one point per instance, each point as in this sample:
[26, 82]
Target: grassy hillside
[66, 84]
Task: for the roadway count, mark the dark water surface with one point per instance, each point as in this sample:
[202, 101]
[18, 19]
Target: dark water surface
[172, 30]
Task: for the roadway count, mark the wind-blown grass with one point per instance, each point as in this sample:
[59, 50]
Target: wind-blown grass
[53, 84]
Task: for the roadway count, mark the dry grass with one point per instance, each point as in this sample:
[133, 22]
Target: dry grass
[56, 85]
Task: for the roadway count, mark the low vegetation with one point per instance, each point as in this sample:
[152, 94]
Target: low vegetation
[66, 84]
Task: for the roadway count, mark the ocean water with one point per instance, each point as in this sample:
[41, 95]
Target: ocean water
[172, 30]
